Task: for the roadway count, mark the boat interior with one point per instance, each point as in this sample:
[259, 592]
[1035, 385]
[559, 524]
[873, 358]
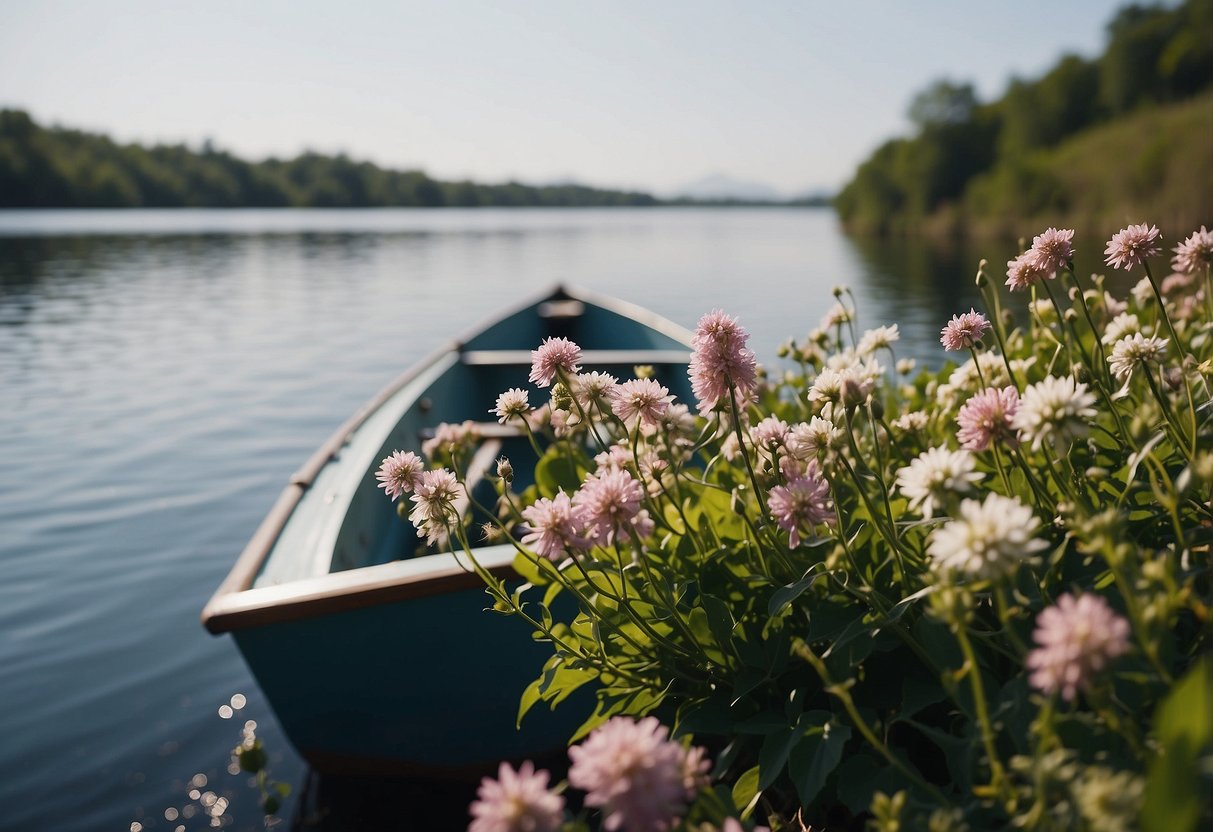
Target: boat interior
[342, 520]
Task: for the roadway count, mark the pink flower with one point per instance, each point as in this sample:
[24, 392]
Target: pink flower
[721, 357]
[734, 825]
[986, 417]
[609, 503]
[553, 354]
[1078, 637]
[640, 398]
[641, 780]
[1052, 250]
[400, 473]
[448, 437]
[770, 432]
[964, 331]
[1130, 246]
[1194, 253]
[1023, 271]
[554, 527]
[592, 389]
[804, 501]
[434, 504]
[1174, 283]
[516, 802]
[617, 457]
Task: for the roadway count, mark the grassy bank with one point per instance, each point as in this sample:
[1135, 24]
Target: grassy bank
[1155, 165]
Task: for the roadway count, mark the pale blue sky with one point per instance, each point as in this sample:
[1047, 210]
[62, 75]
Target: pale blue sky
[639, 94]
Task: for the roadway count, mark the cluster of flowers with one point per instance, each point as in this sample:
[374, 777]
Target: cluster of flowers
[629, 769]
[1041, 501]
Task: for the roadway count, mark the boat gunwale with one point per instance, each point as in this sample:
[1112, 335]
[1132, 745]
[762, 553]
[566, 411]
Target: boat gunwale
[224, 612]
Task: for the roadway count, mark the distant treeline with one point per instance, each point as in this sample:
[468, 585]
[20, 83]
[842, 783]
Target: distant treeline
[988, 166]
[54, 167]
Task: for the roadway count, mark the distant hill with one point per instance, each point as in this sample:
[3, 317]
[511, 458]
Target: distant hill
[1103, 139]
[721, 187]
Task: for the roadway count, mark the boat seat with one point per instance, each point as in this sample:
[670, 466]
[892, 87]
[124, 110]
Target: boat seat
[589, 358]
[561, 309]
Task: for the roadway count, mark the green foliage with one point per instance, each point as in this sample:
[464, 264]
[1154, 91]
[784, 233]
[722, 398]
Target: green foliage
[985, 167]
[1181, 775]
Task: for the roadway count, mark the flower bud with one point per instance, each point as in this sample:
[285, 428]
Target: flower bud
[561, 398]
[505, 470]
[877, 408]
[643, 371]
[905, 366]
[852, 392]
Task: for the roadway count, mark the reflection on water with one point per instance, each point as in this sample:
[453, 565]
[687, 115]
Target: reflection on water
[163, 373]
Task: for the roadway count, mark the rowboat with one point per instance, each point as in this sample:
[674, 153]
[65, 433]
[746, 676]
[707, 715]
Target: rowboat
[373, 654]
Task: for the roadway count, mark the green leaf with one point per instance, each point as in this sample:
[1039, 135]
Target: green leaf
[774, 753]
[700, 626]
[565, 681]
[554, 472]
[746, 792]
[717, 508]
[720, 619]
[1175, 798]
[529, 697]
[529, 570]
[785, 595]
[815, 757]
[283, 789]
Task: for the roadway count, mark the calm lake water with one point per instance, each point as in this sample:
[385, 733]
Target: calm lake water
[162, 373]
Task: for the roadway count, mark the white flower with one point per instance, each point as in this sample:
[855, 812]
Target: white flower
[1143, 292]
[877, 339]
[1134, 350]
[848, 359]
[511, 403]
[1059, 409]
[912, 421]
[827, 387]
[1044, 309]
[806, 440]
[905, 366]
[837, 315]
[988, 540]
[934, 474]
[1125, 323]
